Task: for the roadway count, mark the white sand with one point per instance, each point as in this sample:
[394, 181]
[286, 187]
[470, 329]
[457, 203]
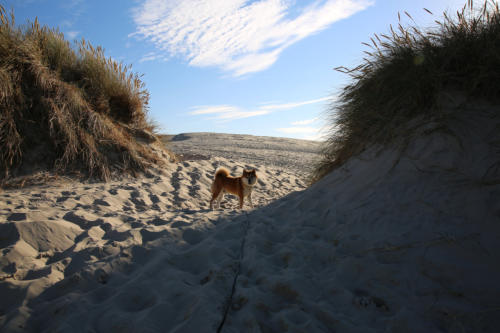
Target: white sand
[389, 242]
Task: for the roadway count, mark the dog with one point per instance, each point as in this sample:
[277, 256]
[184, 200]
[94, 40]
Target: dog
[240, 186]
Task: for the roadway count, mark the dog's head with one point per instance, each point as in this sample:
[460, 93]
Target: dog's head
[250, 177]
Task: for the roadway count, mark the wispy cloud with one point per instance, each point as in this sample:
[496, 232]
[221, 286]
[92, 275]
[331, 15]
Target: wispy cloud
[305, 122]
[213, 109]
[303, 132]
[241, 114]
[74, 10]
[308, 129]
[230, 112]
[240, 36]
[151, 56]
[226, 112]
[295, 104]
[72, 34]
[298, 130]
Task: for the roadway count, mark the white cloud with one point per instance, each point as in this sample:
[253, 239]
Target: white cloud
[298, 130]
[305, 133]
[151, 56]
[230, 112]
[72, 34]
[213, 109]
[241, 114]
[226, 112]
[295, 104]
[305, 122]
[239, 36]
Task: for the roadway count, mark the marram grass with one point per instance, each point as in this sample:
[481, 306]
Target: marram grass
[67, 108]
[405, 73]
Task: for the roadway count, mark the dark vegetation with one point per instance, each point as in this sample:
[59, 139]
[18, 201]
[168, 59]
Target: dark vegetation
[66, 108]
[404, 76]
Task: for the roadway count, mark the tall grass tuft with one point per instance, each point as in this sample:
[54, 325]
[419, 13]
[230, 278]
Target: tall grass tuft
[67, 107]
[405, 73]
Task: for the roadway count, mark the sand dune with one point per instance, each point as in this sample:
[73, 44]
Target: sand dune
[397, 242]
[289, 154]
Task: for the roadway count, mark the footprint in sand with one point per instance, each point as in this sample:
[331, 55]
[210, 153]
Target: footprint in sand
[136, 299]
[148, 236]
[192, 236]
[195, 187]
[102, 294]
[175, 181]
[154, 198]
[10, 234]
[137, 199]
[15, 217]
[81, 220]
[158, 221]
[101, 202]
[38, 273]
[179, 224]
[63, 197]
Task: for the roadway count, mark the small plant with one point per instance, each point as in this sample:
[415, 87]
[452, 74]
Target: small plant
[404, 75]
[67, 108]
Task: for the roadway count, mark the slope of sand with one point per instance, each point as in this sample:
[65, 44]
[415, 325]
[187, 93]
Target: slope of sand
[396, 242]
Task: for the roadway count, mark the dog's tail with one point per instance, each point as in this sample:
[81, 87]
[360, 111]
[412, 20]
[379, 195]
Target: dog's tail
[221, 172]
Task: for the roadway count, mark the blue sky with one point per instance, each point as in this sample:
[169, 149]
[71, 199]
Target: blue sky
[233, 66]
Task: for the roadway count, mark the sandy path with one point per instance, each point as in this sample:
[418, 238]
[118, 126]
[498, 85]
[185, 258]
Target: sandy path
[110, 253]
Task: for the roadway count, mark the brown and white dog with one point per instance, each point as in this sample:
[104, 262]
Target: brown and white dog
[240, 186]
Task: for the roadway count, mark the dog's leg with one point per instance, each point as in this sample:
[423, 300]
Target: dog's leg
[219, 198]
[215, 196]
[211, 203]
[250, 199]
[241, 201]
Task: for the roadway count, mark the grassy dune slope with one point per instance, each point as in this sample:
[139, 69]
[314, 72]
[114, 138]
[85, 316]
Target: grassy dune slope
[67, 108]
[402, 80]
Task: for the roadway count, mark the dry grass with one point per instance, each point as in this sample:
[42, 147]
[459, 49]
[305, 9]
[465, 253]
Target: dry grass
[404, 75]
[67, 108]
